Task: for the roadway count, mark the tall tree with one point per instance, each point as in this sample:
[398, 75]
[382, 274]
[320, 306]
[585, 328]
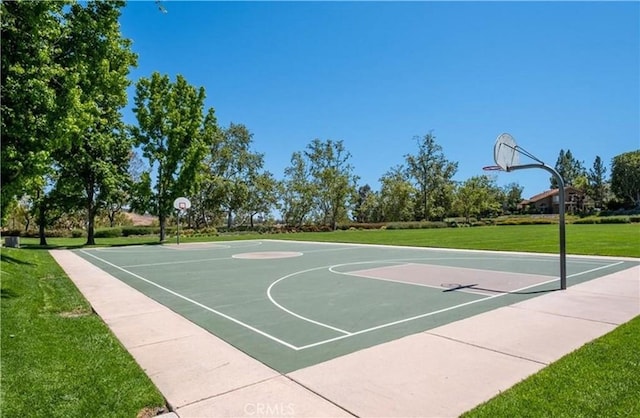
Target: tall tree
[432, 175]
[396, 203]
[169, 117]
[298, 191]
[569, 168]
[512, 196]
[100, 57]
[333, 176]
[365, 205]
[477, 195]
[625, 177]
[236, 166]
[597, 182]
[262, 197]
[209, 193]
[38, 94]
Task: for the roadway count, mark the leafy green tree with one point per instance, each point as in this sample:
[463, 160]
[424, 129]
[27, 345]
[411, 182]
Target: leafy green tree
[170, 115]
[98, 54]
[237, 167]
[625, 177]
[335, 183]
[512, 196]
[597, 188]
[298, 191]
[38, 95]
[477, 195]
[396, 203]
[569, 168]
[366, 205]
[263, 195]
[432, 175]
[52, 200]
[206, 199]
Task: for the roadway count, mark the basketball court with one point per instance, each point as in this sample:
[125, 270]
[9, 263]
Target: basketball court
[332, 329]
[295, 304]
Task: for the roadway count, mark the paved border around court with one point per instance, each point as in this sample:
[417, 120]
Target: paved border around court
[440, 372]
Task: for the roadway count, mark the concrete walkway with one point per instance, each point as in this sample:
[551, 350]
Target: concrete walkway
[442, 372]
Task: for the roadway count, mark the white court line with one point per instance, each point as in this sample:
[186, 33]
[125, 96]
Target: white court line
[304, 318]
[211, 245]
[249, 327]
[220, 258]
[413, 318]
[594, 269]
[400, 264]
[332, 249]
[346, 334]
[178, 262]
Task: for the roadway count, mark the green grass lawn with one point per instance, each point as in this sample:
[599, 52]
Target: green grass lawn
[602, 379]
[59, 359]
[609, 239]
[604, 239]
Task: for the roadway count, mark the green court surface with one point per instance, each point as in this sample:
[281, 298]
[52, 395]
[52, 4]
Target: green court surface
[294, 304]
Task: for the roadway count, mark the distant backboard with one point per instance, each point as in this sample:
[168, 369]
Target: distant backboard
[182, 203]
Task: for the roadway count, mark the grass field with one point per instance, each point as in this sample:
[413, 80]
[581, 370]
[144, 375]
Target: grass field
[58, 358]
[602, 379]
[607, 239]
[612, 239]
[50, 340]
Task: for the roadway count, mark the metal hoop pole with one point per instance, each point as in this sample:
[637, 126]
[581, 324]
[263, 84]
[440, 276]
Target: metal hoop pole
[178, 230]
[563, 246]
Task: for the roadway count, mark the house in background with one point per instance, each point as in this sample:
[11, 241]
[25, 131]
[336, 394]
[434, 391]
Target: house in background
[549, 202]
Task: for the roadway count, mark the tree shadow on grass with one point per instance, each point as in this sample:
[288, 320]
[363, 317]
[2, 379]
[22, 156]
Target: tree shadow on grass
[8, 294]
[8, 259]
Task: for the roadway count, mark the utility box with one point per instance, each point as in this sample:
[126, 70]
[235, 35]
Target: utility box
[12, 242]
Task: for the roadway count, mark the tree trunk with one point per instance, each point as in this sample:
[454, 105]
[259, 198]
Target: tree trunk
[229, 217]
[41, 222]
[91, 215]
[163, 220]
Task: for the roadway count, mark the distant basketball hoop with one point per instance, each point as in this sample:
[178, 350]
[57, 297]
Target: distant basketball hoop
[181, 204]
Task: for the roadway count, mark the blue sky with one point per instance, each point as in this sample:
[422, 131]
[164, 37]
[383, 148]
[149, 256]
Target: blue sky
[556, 75]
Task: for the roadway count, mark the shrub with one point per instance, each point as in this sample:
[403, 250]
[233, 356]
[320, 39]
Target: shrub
[527, 221]
[417, 225]
[78, 233]
[588, 220]
[13, 233]
[108, 233]
[140, 230]
[56, 233]
[614, 220]
[361, 225]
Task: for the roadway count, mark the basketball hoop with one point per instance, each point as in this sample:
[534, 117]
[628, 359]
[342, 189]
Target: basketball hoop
[506, 154]
[181, 204]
